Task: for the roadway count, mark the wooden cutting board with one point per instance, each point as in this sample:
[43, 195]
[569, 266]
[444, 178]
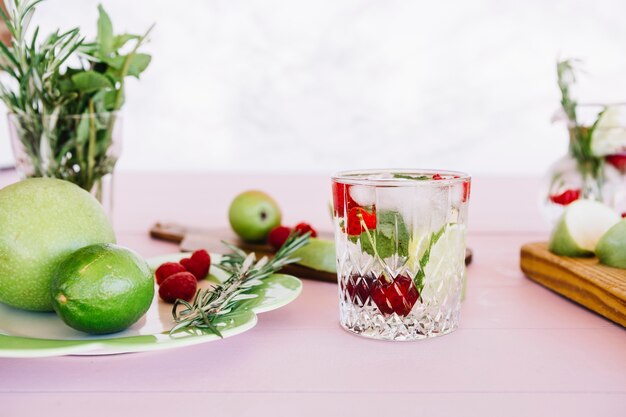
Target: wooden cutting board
[598, 287]
[191, 238]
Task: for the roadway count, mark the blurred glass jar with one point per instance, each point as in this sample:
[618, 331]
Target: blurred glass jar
[82, 149]
[594, 166]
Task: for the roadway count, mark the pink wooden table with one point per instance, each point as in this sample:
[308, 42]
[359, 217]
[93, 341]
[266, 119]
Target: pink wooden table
[520, 351]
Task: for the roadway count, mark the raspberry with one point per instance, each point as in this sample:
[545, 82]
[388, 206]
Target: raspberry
[342, 201]
[566, 197]
[302, 228]
[397, 296]
[466, 189]
[278, 236]
[618, 161]
[198, 264]
[354, 226]
[181, 285]
[166, 270]
[437, 177]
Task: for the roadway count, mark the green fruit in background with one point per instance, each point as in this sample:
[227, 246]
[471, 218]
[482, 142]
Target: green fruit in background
[102, 289]
[611, 248]
[318, 254]
[43, 220]
[253, 214]
[580, 228]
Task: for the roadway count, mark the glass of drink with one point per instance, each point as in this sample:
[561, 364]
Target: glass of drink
[400, 237]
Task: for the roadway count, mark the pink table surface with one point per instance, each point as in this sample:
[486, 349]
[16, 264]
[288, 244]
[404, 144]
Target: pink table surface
[521, 350]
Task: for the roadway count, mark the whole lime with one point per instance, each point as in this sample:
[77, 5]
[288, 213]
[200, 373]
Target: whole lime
[253, 214]
[102, 289]
[43, 220]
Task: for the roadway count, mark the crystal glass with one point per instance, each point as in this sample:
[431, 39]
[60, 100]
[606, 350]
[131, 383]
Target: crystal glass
[400, 238]
[82, 149]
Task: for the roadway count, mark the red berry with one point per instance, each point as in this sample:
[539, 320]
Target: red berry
[166, 270]
[566, 197]
[342, 201]
[278, 236]
[624, 215]
[302, 228]
[182, 285]
[618, 161]
[397, 296]
[353, 222]
[437, 177]
[466, 190]
[198, 264]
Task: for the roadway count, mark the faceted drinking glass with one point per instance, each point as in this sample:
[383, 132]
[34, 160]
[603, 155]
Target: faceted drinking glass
[400, 238]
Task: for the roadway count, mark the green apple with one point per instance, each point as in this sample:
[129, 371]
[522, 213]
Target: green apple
[611, 249]
[580, 227]
[42, 221]
[318, 254]
[253, 214]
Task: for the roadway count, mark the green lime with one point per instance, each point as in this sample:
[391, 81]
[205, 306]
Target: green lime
[102, 289]
[446, 264]
[318, 254]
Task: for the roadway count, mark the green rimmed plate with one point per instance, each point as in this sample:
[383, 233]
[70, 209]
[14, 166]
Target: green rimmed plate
[26, 334]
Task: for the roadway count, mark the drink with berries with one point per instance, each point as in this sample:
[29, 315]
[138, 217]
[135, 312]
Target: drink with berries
[400, 237]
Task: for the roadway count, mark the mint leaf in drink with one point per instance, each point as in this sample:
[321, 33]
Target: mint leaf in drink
[412, 177]
[391, 236]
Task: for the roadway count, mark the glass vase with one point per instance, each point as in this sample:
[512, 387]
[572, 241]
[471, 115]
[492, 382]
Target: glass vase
[82, 149]
[601, 175]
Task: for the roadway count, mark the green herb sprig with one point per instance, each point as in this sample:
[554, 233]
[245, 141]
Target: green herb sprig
[580, 136]
[64, 92]
[246, 272]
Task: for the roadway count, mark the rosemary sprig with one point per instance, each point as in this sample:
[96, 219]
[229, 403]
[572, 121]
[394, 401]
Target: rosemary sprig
[246, 272]
[580, 136]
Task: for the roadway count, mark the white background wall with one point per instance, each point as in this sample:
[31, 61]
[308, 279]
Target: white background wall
[321, 85]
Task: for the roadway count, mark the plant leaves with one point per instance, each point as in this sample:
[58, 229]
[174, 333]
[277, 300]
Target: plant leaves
[138, 63]
[90, 81]
[105, 32]
[120, 40]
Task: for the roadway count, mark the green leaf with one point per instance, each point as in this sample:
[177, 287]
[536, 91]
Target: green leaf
[110, 97]
[138, 63]
[90, 81]
[419, 277]
[391, 236]
[121, 40]
[105, 32]
[116, 62]
[82, 130]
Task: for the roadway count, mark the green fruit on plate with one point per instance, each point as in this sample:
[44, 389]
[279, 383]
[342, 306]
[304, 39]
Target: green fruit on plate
[102, 289]
[253, 214]
[611, 249]
[42, 221]
[580, 227]
[318, 254]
